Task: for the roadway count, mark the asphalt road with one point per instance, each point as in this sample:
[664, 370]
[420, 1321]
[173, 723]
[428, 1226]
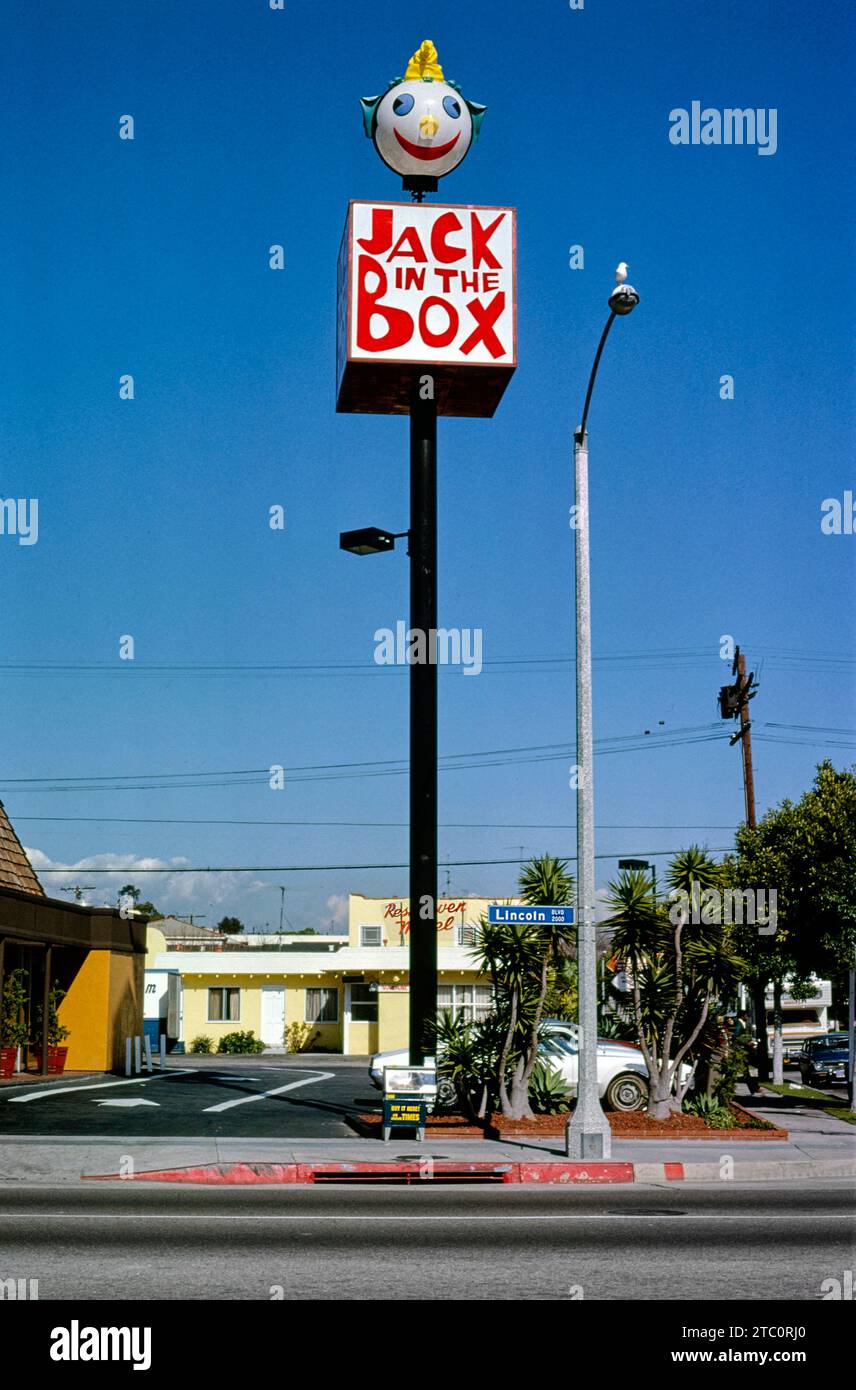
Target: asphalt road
[199, 1098]
[642, 1243]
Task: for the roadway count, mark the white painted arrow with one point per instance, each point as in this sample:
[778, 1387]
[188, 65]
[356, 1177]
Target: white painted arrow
[127, 1103]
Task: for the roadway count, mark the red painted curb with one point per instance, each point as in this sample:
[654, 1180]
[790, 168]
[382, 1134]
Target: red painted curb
[244, 1174]
[586, 1173]
[673, 1171]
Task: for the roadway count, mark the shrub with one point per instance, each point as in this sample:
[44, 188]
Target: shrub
[241, 1042]
[202, 1044]
[709, 1109]
[299, 1037]
[57, 1032]
[14, 1031]
[548, 1091]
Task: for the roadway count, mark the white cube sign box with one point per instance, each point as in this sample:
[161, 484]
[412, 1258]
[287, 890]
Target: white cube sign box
[430, 285]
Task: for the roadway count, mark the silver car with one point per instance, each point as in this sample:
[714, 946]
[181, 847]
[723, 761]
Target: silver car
[621, 1071]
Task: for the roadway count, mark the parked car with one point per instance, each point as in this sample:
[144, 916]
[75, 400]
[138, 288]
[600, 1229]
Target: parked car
[825, 1060]
[621, 1071]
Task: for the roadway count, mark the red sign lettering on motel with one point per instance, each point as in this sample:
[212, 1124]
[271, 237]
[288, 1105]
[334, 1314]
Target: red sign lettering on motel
[430, 285]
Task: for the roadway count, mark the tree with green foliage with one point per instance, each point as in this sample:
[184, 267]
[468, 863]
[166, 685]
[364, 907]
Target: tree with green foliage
[806, 852]
[231, 926]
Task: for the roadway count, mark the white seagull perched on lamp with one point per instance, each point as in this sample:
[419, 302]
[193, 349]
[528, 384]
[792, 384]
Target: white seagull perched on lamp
[621, 272]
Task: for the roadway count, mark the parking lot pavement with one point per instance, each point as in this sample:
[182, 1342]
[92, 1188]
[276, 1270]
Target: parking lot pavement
[201, 1098]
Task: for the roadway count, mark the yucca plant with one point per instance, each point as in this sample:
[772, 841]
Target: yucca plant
[519, 960]
[548, 1090]
[711, 1110]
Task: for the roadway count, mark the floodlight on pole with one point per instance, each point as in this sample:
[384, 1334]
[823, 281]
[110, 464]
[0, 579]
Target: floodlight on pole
[370, 540]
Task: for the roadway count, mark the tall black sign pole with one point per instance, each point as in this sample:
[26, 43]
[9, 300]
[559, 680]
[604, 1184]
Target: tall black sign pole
[422, 127]
[423, 716]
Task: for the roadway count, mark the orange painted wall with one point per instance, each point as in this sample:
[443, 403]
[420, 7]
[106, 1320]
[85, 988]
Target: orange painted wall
[103, 1006]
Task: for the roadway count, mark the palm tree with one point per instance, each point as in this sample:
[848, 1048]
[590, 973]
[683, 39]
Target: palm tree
[678, 963]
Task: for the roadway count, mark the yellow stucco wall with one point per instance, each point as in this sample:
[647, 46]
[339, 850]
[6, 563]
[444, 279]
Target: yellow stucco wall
[329, 1034]
[84, 1012]
[388, 1033]
[393, 916]
[102, 1007]
[195, 999]
[393, 1020]
[155, 943]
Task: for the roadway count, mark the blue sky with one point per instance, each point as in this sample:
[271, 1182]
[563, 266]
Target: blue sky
[150, 257]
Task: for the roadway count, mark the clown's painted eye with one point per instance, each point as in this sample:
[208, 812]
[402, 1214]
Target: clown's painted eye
[452, 107]
[402, 105]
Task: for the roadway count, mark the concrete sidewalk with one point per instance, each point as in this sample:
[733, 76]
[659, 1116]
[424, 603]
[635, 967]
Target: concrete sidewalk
[47, 1160]
[819, 1146]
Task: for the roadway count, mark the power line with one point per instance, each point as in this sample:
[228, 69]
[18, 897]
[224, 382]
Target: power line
[335, 868]
[459, 762]
[692, 658]
[359, 824]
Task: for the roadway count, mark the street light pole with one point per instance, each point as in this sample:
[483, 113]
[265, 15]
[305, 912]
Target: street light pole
[423, 718]
[588, 1135]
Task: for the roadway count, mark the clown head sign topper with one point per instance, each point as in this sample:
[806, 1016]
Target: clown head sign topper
[422, 127]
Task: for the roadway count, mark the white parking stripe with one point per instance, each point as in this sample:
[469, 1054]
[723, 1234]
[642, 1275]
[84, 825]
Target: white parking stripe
[262, 1095]
[45, 1093]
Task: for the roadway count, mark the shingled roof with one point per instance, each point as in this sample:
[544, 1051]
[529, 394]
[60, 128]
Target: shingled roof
[16, 870]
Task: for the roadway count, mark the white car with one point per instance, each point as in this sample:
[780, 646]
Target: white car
[621, 1071]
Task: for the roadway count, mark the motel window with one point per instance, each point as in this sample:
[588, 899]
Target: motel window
[363, 1004]
[322, 1006]
[371, 936]
[224, 1005]
[470, 1003]
[466, 934]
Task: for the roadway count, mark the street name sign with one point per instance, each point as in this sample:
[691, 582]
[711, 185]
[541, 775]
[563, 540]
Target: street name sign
[531, 916]
[432, 286]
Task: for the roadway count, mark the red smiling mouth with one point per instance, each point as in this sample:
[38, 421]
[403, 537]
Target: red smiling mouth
[419, 153]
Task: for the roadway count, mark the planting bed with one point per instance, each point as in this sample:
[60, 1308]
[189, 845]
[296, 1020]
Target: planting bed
[624, 1125]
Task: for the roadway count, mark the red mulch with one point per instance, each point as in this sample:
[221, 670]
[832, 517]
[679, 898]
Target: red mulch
[634, 1124]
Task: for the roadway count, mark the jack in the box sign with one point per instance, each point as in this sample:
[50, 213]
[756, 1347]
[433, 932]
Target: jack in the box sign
[430, 285]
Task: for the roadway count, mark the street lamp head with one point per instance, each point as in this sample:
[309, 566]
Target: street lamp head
[623, 300]
[368, 541]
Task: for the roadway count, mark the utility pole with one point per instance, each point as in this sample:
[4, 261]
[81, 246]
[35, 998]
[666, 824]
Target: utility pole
[744, 686]
[734, 704]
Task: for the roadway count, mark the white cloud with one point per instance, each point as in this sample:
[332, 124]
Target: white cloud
[337, 906]
[170, 892]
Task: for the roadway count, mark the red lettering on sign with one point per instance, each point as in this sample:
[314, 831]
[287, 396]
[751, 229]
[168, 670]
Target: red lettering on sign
[399, 325]
[410, 238]
[381, 237]
[440, 248]
[481, 236]
[438, 340]
[485, 316]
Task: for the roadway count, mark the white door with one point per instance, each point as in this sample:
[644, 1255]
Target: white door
[273, 1015]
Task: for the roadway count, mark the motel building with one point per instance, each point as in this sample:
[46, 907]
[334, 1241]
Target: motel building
[353, 990]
